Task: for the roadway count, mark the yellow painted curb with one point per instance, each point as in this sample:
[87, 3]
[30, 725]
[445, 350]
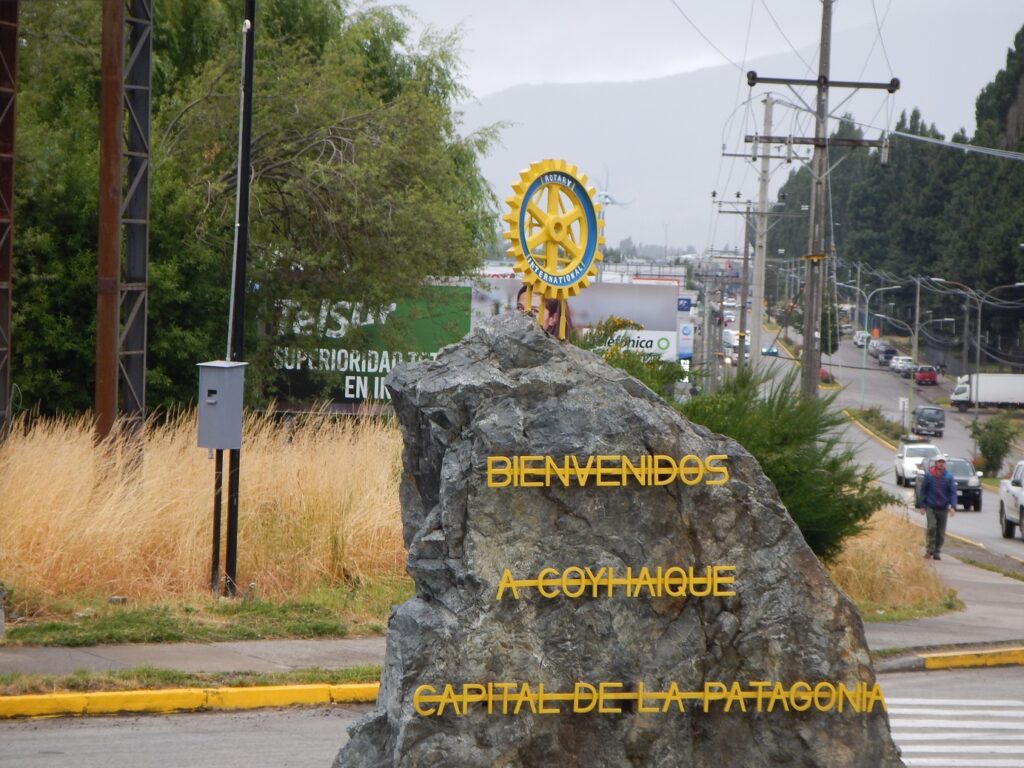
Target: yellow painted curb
[867, 430]
[959, 659]
[183, 699]
[268, 696]
[354, 692]
[965, 540]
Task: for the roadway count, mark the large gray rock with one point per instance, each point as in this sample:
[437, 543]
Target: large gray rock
[508, 389]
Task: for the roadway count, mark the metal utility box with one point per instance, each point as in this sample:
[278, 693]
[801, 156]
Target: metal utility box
[221, 385]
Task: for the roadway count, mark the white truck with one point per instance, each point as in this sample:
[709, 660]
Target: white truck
[988, 389]
[1011, 502]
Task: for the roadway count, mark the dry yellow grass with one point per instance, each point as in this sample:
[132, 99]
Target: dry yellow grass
[882, 569]
[318, 506]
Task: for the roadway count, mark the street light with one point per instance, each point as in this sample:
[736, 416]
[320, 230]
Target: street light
[980, 297]
[913, 331]
[867, 320]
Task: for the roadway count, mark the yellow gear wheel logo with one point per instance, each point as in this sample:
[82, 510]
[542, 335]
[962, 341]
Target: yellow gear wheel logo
[554, 229]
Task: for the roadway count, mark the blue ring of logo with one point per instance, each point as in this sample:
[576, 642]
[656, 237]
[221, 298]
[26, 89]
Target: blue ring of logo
[583, 199]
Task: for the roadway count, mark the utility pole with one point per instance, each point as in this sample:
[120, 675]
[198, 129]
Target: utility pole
[236, 313]
[858, 322]
[744, 278]
[816, 239]
[761, 249]
[814, 283]
[109, 251]
[8, 99]
[917, 320]
[744, 283]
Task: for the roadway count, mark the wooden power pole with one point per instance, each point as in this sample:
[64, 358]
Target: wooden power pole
[815, 283]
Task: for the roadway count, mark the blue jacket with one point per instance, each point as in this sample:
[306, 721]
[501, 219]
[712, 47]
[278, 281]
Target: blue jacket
[937, 493]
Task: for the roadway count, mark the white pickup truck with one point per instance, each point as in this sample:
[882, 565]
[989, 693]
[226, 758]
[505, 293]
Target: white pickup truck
[1011, 502]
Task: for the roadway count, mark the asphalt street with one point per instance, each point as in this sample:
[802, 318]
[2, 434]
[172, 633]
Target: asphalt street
[883, 389]
[944, 719]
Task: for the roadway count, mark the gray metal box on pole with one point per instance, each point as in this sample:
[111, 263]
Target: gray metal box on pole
[221, 387]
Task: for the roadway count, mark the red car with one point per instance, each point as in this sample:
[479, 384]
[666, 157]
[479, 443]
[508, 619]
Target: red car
[925, 374]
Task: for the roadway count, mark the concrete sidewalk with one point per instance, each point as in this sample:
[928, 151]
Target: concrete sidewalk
[989, 632]
[244, 656]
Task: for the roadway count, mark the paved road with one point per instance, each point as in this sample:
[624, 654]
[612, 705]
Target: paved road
[950, 719]
[963, 719]
[272, 738]
[883, 389]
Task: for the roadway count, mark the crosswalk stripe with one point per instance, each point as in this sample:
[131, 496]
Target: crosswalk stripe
[971, 762]
[958, 733]
[958, 723]
[959, 736]
[956, 702]
[902, 711]
[958, 749]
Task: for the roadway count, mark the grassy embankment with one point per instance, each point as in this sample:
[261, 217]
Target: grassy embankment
[320, 543]
[319, 550]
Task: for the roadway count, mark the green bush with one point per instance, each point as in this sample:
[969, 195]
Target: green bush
[995, 438]
[874, 419]
[796, 441]
[660, 375]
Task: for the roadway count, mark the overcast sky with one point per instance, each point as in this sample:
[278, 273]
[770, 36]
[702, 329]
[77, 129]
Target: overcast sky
[944, 52]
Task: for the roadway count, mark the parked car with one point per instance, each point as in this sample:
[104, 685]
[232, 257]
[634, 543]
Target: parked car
[910, 457]
[907, 371]
[874, 346]
[886, 355]
[928, 419]
[1011, 502]
[860, 338]
[968, 482]
[897, 363]
[926, 374]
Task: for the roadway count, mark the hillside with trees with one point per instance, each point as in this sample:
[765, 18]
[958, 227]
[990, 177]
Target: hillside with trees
[930, 210]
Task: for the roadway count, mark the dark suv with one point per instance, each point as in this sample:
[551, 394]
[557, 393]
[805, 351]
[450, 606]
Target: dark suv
[928, 420]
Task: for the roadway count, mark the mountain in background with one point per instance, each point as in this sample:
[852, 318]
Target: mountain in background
[659, 142]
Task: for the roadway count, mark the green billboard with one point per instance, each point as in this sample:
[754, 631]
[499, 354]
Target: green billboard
[339, 352]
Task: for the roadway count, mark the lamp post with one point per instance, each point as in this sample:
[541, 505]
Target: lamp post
[980, 297]
[867, 314]
[913, 331]
[867, 321]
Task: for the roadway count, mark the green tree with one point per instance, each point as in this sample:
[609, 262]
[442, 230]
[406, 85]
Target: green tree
[995, 437]
[795, 440]
[363, 187]
[829, 329]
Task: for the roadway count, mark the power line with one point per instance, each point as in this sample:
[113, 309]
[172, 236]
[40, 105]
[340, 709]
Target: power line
[879, 38]
[1005, 154]
[778, 27]
[705, 37]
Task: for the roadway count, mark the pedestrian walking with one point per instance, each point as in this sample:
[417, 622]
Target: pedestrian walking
[936, 498]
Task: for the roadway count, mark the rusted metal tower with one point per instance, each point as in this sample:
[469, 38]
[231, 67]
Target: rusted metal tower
[122, 288]
[8, 88]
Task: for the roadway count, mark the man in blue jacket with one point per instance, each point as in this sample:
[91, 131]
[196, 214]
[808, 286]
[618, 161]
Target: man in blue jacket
[936, 497]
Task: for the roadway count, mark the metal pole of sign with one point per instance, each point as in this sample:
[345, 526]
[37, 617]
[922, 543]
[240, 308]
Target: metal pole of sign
[236, 322]
[218, 492]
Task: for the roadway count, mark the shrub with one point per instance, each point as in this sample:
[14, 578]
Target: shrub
[660, 375]
[795, 439]
[995, 438]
